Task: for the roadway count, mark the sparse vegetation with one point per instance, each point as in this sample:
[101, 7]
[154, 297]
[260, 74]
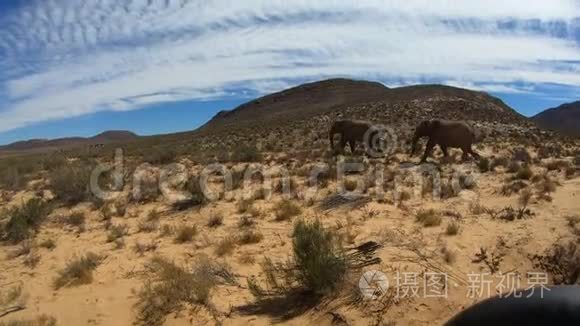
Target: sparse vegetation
[185, 233]
[215, 220]
[524, 173]
[452, 228]
[48, 244]
[70, 183]
[286, 209]
[78, 271]
[225, 246]
[249, 237]
[171, 288]
[428, 218]
[484, 165]
[116, 232]
[42, 320]
[24, 220]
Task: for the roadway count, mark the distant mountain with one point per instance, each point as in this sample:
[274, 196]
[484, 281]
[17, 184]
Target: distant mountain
[564, 119]
[106, 137]
[365, 99]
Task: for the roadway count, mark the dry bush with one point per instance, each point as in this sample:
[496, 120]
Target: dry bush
[70, 183]
[215, 220]
[428, 218]
[246, 154]
[160, 155]
[185, 233]
[557, 165]
[286, 209]
[452, 228]
[562, 262]
[499, 161]
[24, 220]
[570, 172]
[42, 320]
[321, 267]
[116, 232]
[524, 173]
[225, 246]
[23, 248]
[449, 256]
[142, 247]
[244, 205]
[147, 226]
[247, 258]
[249, 237]
[49, 244]
[512, 187]
[78, 271]
[32, 259]
[166, 230]
[545, 184]
[484, 165]
[76, 220]
[173, 287]
[513, 167]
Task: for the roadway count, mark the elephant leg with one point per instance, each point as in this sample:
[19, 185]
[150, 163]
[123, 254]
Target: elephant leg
[352, 145]
[473, 153]
[428, 150]
[444, 150]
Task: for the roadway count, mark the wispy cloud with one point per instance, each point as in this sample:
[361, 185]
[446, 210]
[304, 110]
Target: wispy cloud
[65, 58]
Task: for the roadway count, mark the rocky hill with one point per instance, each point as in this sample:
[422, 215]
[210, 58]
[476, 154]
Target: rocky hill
[106, 137]
[564, 119]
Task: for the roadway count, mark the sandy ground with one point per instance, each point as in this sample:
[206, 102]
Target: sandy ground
[110, 298]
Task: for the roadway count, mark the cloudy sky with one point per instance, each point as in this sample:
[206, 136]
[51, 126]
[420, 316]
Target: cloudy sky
[77, 67]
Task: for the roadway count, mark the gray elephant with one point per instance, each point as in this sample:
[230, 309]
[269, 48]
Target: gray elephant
[446, 134]
[351, 132]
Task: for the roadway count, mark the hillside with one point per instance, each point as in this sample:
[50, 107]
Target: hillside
[344, 95]
[106, 137]
[564, 119]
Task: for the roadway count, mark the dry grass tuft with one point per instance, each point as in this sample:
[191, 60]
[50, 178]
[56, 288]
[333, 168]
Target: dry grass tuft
[286, 209]
[185, 233]
[428, 218]
[78, 271]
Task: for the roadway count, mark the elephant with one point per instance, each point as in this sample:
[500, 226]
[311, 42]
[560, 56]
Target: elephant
[446, 134]
[351, 132]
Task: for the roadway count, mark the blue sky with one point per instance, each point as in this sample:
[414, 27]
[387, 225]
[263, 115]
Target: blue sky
[157, 66]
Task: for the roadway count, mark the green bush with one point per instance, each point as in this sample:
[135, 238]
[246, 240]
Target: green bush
[320, 265]
[24, 220]
[71, 183]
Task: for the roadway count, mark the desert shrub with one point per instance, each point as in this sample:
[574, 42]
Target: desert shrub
[42, 320]
[24, 248]
[142, 247]
[215, 220]
[24, 220]
[173, 287]
[71, 183]
[245, 221]
[321, 266]
[428, 218]
[11, 178]
[244, 205]
[116, 232]
[524, 173]
[452, 228]
[148, 226]
[246, 153]
[53, 162]
[185, 233]
[249, 237]
[78, 271]
[512, 187]
[484, 165]
[545, 184]
[75, 220]
[166, 230]
[513, 167]
[47, 244]
[286, 209]
[160, 155]
[225, 246]
[499, 161]
[562, 262]
[31, 260]
[449, 256]
[559, 165]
